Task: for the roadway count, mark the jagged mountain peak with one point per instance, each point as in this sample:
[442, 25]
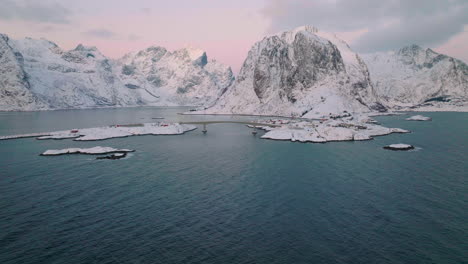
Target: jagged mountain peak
[313, 31]
[417, 77]
[4, 37]
[155, 53]
[290, 35]
[185, 76]
[308, 28]
[301, 29]
[411, 49]
[302, 72]
[420, 57]
[81, 47]
[35, 48]
[323, 37]
[194, 53]
[37, 41]
[88, 53]
[153, 50]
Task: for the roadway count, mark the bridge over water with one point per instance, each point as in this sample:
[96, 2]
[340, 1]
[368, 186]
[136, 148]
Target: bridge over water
[205, 123]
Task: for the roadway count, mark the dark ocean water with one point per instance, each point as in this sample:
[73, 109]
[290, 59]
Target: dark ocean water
[230, 197]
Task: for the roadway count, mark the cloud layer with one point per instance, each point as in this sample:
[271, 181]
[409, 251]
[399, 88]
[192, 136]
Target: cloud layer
[35, 11]
[389, 24]
[100, 33]
[227, 29]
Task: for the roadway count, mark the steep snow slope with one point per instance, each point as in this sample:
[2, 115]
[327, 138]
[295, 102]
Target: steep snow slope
[15, 90]
[37, 74]
[303, 72]
[182, 77]
[77, 78]
[419, 78]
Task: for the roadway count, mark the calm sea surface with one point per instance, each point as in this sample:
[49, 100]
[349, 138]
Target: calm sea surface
[230, 197]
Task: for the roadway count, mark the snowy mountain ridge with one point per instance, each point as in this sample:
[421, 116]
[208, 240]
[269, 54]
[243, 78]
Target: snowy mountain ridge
[184, 76]
[303, 72]
[417, 78]
[39, 75]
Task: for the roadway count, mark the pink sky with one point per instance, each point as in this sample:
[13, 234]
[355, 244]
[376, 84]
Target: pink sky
[225, 31]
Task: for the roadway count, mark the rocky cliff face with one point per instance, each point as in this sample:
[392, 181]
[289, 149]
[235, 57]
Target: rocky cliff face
[303, 72]
[414, 77]
[15, 92]
[37, 74]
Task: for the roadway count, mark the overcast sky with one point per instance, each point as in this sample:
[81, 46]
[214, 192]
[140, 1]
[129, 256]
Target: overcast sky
[227, 29]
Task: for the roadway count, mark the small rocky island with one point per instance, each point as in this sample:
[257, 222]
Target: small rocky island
[88, 151]
[342, 128]
[418, 118]
[399, 146]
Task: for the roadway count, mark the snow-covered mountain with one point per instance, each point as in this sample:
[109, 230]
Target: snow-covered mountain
[78, 78]
[303, 72]
[182, 77]
[37, 74]
[419, 78]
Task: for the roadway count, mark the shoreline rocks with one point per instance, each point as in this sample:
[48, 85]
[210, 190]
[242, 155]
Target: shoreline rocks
[113, 156]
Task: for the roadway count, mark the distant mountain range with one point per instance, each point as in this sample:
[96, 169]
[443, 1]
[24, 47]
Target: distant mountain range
[419, 78]
[303, 72]
[39, 75]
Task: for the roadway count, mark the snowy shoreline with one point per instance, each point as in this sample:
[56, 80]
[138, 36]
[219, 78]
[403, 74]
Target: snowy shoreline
[116, 131]
[327, 130]
[87, 151]
[345, 127]
[418, 118]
